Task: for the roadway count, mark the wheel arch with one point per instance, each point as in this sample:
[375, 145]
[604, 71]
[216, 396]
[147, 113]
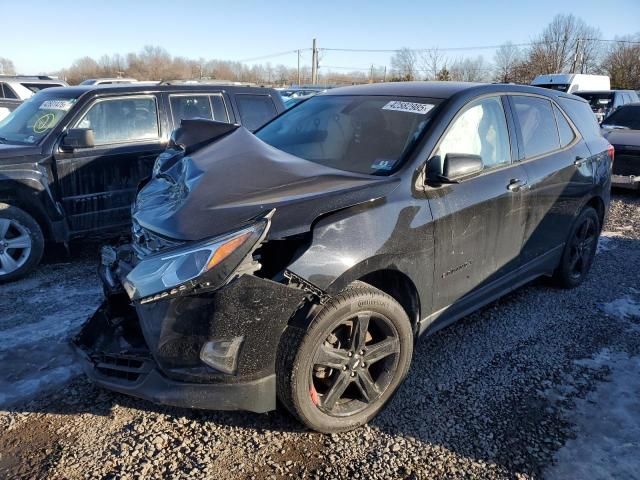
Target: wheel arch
[401, 288]
[597, 203]
[25, 198]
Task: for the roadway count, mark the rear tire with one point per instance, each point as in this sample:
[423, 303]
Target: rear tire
[579, 250]
[21, 243]
[339, 372]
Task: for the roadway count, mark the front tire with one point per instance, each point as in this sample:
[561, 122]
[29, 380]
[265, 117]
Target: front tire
[338, 373]
[21, 243]
[580, 250]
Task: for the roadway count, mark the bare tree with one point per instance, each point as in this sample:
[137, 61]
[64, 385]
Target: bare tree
[6, 67]
[567, 44]
[404, 64]
[432, 61]
[622, 63]
[469, 70]
[506, 61]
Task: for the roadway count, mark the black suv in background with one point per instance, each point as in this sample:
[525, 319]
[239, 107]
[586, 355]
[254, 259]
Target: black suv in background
[605, 102]
[71, 158]
[380, 212]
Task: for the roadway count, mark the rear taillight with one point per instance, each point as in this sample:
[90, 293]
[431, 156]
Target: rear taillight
[611, 152]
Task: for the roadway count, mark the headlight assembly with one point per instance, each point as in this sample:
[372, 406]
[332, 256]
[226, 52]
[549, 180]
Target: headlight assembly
[206, 264]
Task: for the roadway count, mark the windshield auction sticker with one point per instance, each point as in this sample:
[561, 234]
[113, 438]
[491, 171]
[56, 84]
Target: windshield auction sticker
[411, 107]
[63, 105]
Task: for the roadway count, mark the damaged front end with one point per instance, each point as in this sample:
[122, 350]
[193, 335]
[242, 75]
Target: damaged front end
[190, 325]
[196, 304]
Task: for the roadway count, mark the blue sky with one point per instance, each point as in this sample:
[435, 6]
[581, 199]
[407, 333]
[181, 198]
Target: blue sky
[49, 35]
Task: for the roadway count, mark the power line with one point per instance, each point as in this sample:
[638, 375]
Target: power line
[476, 47]
[273, 55]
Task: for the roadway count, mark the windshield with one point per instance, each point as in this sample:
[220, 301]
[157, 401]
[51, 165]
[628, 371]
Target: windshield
[598, 101]
[627, 116]
[362, 134]
[561, 87]
[34, 119]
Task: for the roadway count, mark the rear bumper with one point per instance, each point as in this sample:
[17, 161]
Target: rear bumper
[630, 182]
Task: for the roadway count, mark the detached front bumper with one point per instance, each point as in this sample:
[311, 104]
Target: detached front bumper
[152, 351]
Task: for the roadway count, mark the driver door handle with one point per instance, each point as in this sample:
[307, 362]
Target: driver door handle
[516, 185]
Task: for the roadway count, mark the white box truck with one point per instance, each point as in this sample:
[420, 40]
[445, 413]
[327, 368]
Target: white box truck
[572, 82]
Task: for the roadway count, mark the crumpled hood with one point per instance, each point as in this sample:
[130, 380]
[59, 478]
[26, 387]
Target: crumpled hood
[224, 185]
[620, 136]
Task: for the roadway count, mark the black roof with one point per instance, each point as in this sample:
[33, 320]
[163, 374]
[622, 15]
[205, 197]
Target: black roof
[604, 91]
[141, 87]
[408, 89]
[440, 90]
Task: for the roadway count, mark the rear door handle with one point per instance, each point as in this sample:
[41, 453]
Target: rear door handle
[516, 185]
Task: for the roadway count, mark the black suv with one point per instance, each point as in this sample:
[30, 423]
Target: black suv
[71, 158]
[605, 102]
[302, 262]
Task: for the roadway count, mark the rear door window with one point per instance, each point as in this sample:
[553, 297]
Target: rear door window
[255, 110]
[206, 106]
[121, 120]
[537, 124]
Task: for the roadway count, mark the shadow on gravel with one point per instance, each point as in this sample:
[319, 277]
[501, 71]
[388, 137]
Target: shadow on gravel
[473, 389]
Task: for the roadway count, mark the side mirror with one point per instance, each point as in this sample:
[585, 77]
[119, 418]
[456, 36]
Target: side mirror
[78, 138]
[457, 165]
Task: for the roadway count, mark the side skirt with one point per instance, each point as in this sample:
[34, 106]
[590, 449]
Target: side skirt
[543, 265]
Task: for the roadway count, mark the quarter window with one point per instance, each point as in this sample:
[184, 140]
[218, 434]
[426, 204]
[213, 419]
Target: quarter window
[480, 130]
[537, 125]
[255, 110]
[122, 120]
[564, 129]
[8, 92]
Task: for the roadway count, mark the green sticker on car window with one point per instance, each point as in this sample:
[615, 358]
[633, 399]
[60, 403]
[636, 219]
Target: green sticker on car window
[44, 123]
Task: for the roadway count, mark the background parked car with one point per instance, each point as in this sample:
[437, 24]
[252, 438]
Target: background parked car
[71, 158]
[107, 81]
[14, 89]
[605, 102]
[622, 130]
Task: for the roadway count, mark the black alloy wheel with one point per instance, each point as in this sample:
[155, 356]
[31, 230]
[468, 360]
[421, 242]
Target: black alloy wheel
[339, 372]
[354, 365]
[582, 247]
[579, 250]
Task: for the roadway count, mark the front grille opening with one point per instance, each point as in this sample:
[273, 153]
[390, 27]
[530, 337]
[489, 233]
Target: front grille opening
[121, 366]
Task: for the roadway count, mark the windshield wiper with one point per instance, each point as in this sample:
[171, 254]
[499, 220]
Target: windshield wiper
[3, 140]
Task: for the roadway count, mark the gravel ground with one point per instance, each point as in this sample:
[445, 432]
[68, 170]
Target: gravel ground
[507, 392]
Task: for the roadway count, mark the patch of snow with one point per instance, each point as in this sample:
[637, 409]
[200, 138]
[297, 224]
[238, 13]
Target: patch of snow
[33, 384]
[606, 425]
[38, 315]
[606, 242]
[625, 308]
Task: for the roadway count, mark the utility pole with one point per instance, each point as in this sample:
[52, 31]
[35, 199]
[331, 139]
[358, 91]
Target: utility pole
[298, 67]
[384, 79]
[314, 63]
[575, 56]
[371, 74]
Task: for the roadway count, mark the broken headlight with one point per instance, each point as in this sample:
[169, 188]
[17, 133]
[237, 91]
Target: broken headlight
[206, 264]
